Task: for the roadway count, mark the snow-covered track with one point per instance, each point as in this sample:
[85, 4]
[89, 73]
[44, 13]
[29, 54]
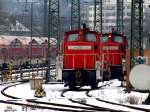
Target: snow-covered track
[47, 105]
[18, 83]
[15, 83]
[98, 108]
[123, 105]
[85, 101]
[87, 90]
[80, 100]
[64, 105]
[128, 106]
[63, 92]
[41, 106]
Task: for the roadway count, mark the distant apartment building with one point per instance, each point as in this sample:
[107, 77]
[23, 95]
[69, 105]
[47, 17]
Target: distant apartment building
[110, 13]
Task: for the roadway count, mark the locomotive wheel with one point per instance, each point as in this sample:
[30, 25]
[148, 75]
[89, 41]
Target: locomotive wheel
[94, 86]
[92, 79]
[106, 76]
[72, 86]
[117, 73]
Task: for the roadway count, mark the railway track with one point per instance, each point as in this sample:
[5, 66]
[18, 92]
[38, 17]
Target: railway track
[83, 106]
[44, 105]
[47, 105]
[83, 101]
[14, 82]
[123, 105]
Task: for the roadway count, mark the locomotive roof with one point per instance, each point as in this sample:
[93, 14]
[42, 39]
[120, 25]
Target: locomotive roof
[76, 31]
[117, 34]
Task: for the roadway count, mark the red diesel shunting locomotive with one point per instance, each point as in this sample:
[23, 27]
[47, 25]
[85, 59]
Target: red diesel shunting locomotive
[85, 56]
[113, 52]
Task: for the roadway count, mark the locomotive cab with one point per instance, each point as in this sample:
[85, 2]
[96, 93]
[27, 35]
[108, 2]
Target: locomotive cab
[79, 64]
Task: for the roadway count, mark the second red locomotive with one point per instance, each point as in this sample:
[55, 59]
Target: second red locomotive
[113, 52]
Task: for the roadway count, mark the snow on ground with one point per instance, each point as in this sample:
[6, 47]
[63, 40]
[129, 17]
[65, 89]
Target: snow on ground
[24, 91]
[111, 92]
[117, 94]
[98, 103]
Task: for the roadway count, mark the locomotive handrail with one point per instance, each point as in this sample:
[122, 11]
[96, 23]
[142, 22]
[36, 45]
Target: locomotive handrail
[101, 59]
[113, 57]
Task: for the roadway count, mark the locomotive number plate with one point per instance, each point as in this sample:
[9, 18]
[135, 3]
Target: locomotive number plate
[79, 47]
[110, 48]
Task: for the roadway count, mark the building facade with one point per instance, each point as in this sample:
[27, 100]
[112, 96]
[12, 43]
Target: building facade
[110, 14]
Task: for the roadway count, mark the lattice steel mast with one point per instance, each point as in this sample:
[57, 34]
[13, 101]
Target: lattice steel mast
[53, 32]
[75, 14]
[119, 20]
[98, 16]
[136, 40]
[45, 18]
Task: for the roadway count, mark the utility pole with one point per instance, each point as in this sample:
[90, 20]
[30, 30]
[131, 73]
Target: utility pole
[53, 33]
[21, 62]
[98, 15]
[45, 18]
[119, 19]
[75, 14]
[31, 37]
[136, 40]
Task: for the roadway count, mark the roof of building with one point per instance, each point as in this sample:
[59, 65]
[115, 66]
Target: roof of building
[6, 40]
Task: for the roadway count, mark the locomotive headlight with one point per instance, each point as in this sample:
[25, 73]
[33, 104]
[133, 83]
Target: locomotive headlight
[109, 36]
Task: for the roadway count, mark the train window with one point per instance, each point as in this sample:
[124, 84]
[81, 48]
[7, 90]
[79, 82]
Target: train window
[73, 37]
[117, 39]
[104, 39]
[90, 37]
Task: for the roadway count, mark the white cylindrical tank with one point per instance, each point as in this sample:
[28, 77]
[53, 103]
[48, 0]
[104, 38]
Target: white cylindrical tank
[139, 77]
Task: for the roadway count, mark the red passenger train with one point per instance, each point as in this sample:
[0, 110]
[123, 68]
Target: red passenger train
[86, 57]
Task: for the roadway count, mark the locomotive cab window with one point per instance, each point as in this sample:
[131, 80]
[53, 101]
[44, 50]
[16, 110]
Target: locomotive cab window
[73, 37]
[90, 37]
[104, 39]
[117, 39]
